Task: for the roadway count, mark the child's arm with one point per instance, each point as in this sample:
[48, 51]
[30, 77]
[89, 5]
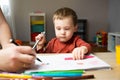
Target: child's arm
[79, 52]
[42, 41]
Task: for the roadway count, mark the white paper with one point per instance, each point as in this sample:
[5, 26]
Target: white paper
[59, 62]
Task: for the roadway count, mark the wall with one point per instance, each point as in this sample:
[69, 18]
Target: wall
[114, 15]
[96, 11]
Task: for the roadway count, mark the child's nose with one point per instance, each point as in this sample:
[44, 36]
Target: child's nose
[62, 31]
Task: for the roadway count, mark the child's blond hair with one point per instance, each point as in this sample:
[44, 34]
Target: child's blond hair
[65, 12]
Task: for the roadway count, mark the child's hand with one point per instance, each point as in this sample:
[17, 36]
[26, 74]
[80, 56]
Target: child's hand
[42, 40]
[79, 52]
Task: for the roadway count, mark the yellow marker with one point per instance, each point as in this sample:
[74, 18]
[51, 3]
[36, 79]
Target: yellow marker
[10, 75]
[118, 54]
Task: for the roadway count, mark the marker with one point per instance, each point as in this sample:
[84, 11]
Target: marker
[61, 71]
[59, 74]
[89, 76]
[11, 75]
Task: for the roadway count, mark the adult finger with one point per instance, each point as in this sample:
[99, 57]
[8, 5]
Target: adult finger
[25, 50]
[26, 58]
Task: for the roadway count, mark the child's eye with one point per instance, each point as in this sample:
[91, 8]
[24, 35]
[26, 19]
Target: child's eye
[67, 28]
[58, 28]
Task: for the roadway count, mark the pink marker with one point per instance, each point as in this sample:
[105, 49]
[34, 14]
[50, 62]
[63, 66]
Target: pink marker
[68, 58]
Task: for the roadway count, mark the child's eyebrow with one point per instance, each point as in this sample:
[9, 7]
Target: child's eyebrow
[57, 26]
[68, 26]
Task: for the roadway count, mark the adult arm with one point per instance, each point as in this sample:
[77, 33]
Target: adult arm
[5, 33]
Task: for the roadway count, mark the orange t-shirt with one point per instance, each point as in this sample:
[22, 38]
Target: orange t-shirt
[55, 46]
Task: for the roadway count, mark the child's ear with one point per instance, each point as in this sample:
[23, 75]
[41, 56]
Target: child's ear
[76, 28]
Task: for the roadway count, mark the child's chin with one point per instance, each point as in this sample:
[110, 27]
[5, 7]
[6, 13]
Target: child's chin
[63, 41]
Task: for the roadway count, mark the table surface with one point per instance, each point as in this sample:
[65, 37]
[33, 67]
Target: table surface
[113, 74]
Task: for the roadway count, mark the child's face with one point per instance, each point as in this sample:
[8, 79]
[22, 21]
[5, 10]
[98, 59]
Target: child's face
[64, 29]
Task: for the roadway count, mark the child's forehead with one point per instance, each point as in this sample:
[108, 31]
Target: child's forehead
[64, 18]
[64, 22]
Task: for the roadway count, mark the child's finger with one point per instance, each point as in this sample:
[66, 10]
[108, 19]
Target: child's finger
[38, 37]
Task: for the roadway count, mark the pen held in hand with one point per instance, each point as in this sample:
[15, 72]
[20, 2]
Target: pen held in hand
[37, 41]
[36, 45]
[12, 41]
[34, 48]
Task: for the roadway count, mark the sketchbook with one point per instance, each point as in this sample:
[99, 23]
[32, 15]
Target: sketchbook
[59, 62]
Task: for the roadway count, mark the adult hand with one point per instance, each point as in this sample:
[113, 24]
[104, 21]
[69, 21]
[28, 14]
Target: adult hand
[8, 45]
[16, 58]
[79, 52]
